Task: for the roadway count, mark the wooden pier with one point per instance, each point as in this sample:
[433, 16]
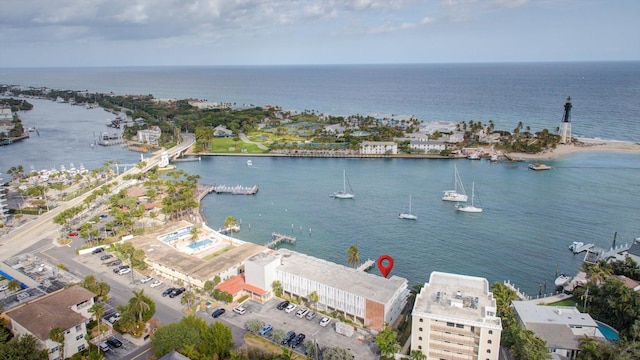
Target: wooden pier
[235, 190]
[367, 265]
[278, 238]
[204, 190]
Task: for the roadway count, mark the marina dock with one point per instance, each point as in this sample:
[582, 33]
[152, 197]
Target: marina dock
[278, 238]
[596, 254]
[235, 190]
[366, 265]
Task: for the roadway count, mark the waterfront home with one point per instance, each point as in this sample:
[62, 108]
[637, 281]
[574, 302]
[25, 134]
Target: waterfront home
[428, 146]
[364, 298]
[67, 309]
[561, 327]
[150, 136]
[379, 148]
[454, 317]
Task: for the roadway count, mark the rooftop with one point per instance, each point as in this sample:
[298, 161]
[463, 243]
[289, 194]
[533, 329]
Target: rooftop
[457, 296]
[341, 277]
[42, 315]
[531, 313]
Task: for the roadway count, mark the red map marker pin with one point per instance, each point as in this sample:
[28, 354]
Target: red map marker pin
[385, 269]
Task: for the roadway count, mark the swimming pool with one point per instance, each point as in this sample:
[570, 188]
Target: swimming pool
[610, 333]
[200, 243]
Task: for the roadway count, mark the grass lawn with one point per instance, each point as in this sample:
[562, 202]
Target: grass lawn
[572, 301]
[260, 342]
[229, 146]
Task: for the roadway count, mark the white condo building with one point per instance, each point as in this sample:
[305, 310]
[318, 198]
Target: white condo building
[454, 318]
[379, 148]
[369, 299]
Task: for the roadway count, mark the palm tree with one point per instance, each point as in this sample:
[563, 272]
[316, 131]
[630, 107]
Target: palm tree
[138, 304]
[188, 298]
[313, 297]
[353, 256]
[97, 309]
[277, 288]
[57, 335]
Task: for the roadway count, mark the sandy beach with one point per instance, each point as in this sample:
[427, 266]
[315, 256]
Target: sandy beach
[581, 145]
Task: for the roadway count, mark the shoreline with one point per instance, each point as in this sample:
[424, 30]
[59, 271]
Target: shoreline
[581, 145]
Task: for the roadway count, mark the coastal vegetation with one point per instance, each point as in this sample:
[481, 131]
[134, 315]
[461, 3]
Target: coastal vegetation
[194, 338]
[269, 128]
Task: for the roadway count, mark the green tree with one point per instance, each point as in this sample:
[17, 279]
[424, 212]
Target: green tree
[313, 298]
[336, 354]
[417, 355]
[57, 335]
[353, 256]
[217, 340]
[97, 309]
[255, 325]
[276, 286]
[23, 347]
[139, 304]
[387, 342]
[14, 285]
[173, 336]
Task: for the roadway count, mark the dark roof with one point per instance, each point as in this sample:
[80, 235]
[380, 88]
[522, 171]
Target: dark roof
[634, 249]
[174, 355]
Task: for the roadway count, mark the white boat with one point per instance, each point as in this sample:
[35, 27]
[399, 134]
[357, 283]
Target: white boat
[494, 157]
[562, 280]
[469, 208]
[409, 215]
[249, 163]
[576, 245]
[539, 166]
[344, 194]
[474, 156]
[454, 195]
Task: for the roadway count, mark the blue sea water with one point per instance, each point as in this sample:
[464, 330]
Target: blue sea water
[529, 218]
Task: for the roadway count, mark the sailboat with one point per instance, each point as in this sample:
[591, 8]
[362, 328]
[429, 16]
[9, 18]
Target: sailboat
[344, 194]
[454, 195]
[469, 208]
[409, 215]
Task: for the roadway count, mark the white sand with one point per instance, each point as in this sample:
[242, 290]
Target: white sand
[582, 145]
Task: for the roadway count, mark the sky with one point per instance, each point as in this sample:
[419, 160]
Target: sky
[73, 33]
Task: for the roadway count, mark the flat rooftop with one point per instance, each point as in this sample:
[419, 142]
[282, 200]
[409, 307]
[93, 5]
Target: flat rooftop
[168, 256]
[456, 296]
[531, 313]
[341, 277]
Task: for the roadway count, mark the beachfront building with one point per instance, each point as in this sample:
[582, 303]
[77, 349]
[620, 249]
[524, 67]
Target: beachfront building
[378, 148]
[427, 146]
[561, 327]
[454, 317]
[150, 135]
[193, 257]
[67, 309]
[365, 298]
[4, 210]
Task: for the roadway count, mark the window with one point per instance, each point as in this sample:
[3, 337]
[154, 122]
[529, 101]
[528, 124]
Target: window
[488, 351]
[419, 347]
[451, 324]
[419, 329]
[460, 326]
[53, 349]
[67, 331]
[490, 332]
[420, 338]
[78, 328]
[79, 336]
[81, 347]
[421, 320]
[489, 341]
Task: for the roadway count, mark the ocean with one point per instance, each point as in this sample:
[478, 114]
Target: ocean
[529, 218]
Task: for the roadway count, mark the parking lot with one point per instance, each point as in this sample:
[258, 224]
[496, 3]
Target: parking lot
[268, 313]
[325, 337]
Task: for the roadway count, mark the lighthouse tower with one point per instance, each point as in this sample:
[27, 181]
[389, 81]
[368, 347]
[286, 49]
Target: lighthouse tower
[565, 128]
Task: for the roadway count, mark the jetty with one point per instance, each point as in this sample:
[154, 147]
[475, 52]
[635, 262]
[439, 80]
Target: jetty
[204, 190]
[596, 254]
[186, 159]
[366, 265]
[235, 190]
[278, 238]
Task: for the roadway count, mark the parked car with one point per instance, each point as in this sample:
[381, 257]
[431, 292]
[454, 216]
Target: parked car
[104, 346]
[113, 318]
[103, 216]
[168, 291]
[290, 308]
[113, 341]
[297, 340]
[117, 270]
[73, 234]
[325, 321]
[287, 338]
[97, 250]
[239, 310]
[146, 279]
[283, 305]
[106, 257]
[302, 312]
[266, 329]
[124, 271]
[156, 283]
[115, 262]
[218, 312]
[311, 315]
[177, 292]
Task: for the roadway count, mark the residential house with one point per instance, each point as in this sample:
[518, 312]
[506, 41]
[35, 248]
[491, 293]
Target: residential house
[150, 135]
[378, 148]
[67, 309]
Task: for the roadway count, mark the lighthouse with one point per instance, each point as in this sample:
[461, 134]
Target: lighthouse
[565, 128]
